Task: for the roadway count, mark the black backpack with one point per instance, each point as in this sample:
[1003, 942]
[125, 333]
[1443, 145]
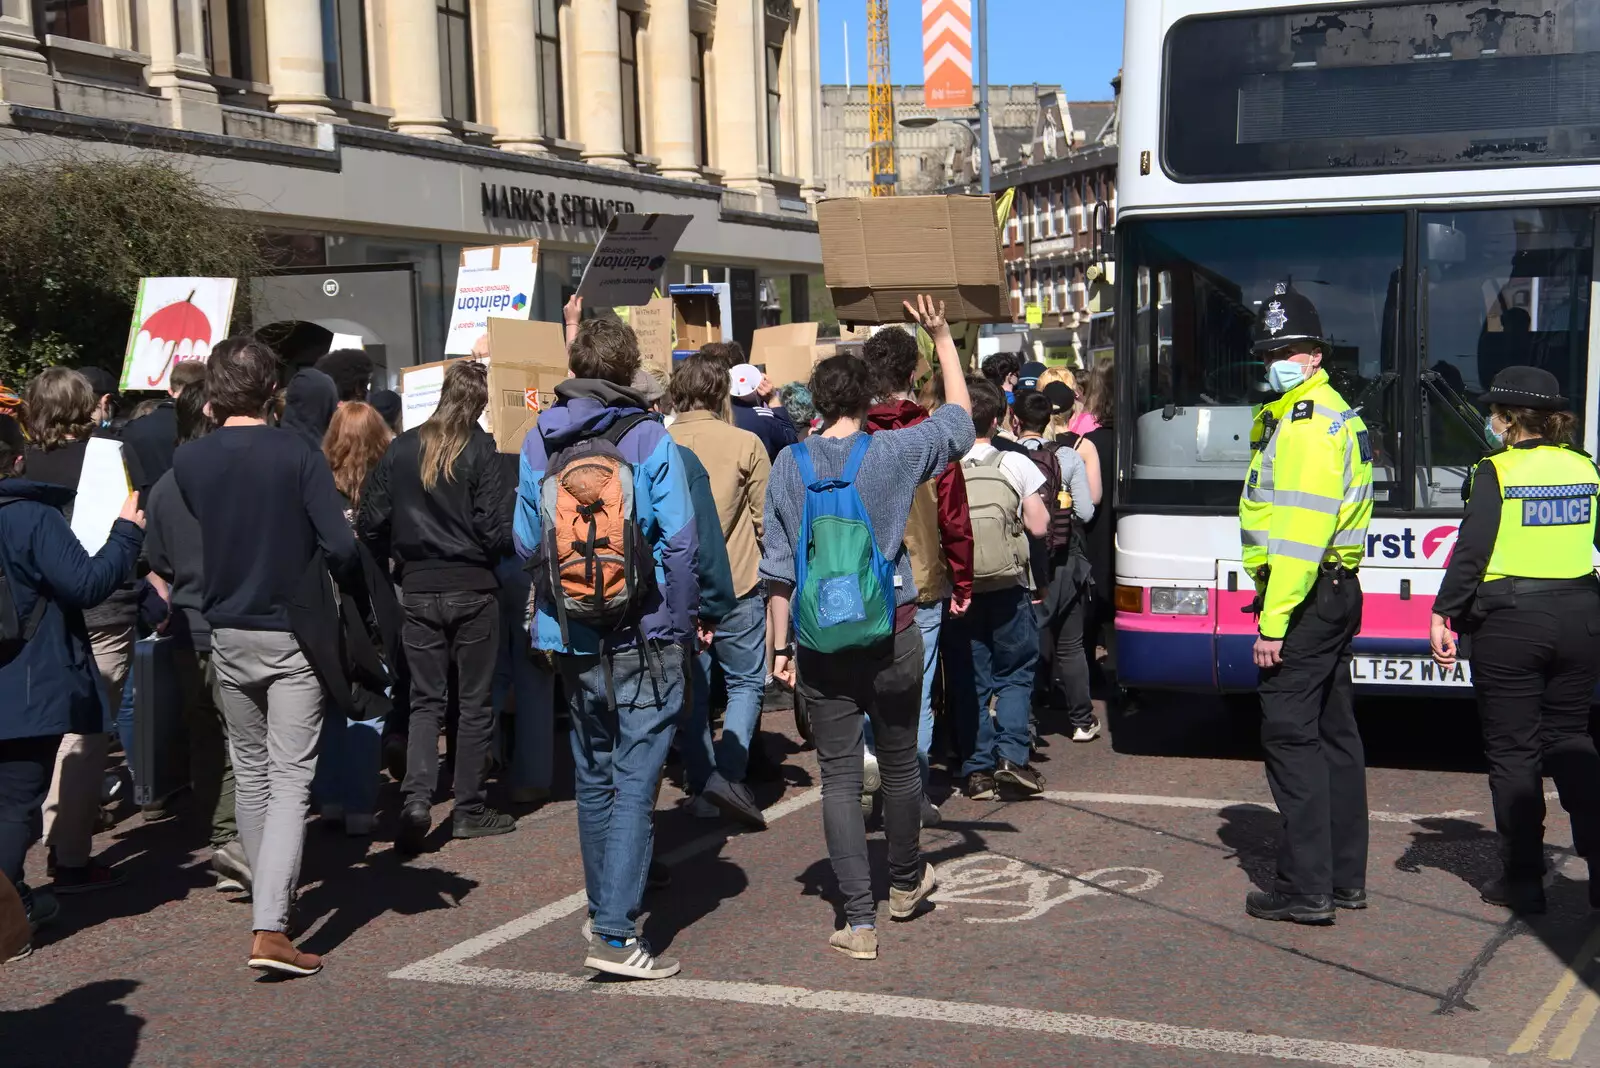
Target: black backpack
[14, 630]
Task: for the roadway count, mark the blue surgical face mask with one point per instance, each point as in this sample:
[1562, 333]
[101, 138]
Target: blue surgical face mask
[1496, 437]
[1284, 375]
[1010, 397]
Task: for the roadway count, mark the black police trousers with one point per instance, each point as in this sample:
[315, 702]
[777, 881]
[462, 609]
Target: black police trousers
[1316, 765]
[1534, 665]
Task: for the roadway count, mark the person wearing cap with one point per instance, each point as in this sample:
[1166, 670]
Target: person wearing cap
[1521, 591]
[1303, 517]
[752, 397]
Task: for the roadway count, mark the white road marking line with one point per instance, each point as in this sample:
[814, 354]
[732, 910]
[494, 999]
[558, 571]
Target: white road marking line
[971, 1014]
[1211, 804]
[426, 970]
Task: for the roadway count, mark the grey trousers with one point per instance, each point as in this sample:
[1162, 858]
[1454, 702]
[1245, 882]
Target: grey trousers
[272, 703]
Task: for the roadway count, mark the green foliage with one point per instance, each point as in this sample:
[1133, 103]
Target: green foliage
[77, 234]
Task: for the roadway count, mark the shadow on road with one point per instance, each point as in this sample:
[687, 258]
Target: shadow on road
[354, 896]
[87, 1026]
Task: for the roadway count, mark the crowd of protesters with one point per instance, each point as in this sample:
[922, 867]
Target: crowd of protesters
[920, 558]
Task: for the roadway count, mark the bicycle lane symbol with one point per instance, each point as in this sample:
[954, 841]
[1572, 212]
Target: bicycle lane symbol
[980, 879]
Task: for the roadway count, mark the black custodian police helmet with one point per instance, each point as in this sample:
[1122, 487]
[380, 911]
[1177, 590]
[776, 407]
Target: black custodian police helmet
[1285, 317]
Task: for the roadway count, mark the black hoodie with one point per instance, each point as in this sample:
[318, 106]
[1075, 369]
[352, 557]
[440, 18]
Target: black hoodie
[308, 406]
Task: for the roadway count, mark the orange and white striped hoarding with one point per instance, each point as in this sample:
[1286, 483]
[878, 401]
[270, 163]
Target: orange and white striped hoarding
[947, 53]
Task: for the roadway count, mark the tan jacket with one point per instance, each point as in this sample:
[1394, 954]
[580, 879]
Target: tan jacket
[737, 462]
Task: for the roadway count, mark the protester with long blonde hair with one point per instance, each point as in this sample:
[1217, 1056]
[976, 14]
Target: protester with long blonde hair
[436, 506]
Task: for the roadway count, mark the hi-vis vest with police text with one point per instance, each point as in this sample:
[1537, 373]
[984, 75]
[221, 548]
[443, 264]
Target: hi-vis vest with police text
[1547, 514]
[1308, 497]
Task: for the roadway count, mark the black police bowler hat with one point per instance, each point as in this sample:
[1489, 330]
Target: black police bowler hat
[1526, 387]
[1286, 316]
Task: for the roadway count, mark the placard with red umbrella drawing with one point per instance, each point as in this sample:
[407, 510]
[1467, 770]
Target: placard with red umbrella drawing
[174, 319]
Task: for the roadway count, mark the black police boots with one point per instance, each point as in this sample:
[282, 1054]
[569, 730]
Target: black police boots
[1296, 908]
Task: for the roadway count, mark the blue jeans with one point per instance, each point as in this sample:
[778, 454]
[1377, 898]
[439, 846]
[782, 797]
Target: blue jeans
[740, 646]
[125, 722]
[347, 769]
[533, 750]
[992, 651]
[619, 748]
[930, 617]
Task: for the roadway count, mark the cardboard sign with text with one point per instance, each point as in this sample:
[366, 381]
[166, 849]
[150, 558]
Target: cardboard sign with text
[492, 282]
[527, 360]
[625, 270]
[652, 324]
[787, 353]
[878, 253]
[702, 314]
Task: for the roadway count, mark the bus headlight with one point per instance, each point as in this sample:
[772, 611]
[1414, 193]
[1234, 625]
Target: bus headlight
[1172, 601]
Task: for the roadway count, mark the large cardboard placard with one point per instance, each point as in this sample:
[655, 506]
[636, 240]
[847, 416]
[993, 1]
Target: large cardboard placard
[491, 282]
[526, 361]
[652, 324]
[702, 314]
[103, 486]
[174, 319]
[625, 269]
[878, 253]
[787, 353]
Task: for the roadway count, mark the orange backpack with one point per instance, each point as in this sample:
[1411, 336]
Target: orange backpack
[594, 565]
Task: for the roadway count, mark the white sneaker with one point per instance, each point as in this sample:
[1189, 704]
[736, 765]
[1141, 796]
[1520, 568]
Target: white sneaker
[1087, 734]
[700, 808]
[871, 778]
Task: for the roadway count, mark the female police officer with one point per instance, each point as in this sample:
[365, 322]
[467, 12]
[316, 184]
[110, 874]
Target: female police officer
[1521, 588]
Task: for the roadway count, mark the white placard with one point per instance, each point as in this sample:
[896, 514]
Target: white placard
[346, 341]
[493, 281]
[174, 319]
[102, 490]
[625, 269]
[419, 394]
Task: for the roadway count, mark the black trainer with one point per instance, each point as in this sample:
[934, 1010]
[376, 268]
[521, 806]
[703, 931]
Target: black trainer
[1522, 896]
[735, 801]
[1021, 776]
[980, 786]
[416, 819]
[1296, 908]
[1350, 898]
[481, 824]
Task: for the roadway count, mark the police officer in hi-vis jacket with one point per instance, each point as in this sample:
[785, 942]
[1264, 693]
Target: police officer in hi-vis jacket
[1303, 519]
[1522, 593]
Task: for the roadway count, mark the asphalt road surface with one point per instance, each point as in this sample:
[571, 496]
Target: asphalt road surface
[1101, 924]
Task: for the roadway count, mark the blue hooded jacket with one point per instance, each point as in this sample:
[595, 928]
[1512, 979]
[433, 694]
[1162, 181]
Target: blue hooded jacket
[586, 408]
[51, 686]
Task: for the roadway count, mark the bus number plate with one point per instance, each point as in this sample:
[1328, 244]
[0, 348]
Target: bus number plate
[1407, 671]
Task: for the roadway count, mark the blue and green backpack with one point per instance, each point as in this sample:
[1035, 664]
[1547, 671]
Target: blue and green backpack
[844, 585]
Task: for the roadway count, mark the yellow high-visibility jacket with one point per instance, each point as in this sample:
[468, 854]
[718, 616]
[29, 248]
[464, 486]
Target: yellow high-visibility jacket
[1307, 499]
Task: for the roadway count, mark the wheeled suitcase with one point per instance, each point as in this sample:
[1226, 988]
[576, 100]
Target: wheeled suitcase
[160, 757]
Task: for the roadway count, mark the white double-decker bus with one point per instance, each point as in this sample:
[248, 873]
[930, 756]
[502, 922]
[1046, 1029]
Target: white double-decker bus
[1427, 172]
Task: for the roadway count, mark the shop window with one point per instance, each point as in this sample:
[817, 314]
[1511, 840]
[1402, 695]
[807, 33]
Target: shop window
[698, 77]
[628, 64]
[455, 61]
[70, 18]
[344, 49]
[548, 40]
[774, 109]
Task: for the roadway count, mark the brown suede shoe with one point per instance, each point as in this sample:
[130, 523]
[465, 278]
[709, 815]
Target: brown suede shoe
[273, 952]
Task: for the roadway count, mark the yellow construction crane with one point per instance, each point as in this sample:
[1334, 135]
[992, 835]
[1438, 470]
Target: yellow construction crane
[880, 100]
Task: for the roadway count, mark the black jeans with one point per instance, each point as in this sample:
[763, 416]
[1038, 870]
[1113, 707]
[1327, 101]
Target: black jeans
[1534, 665]
[442, 629]
[1316, 765]
[885, 683]
[1069, 665]
[26, 765]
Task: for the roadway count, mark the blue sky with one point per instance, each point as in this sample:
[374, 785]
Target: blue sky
[1076, 44]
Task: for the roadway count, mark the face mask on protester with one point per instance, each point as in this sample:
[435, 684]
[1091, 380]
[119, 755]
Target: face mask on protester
[1496, 437]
